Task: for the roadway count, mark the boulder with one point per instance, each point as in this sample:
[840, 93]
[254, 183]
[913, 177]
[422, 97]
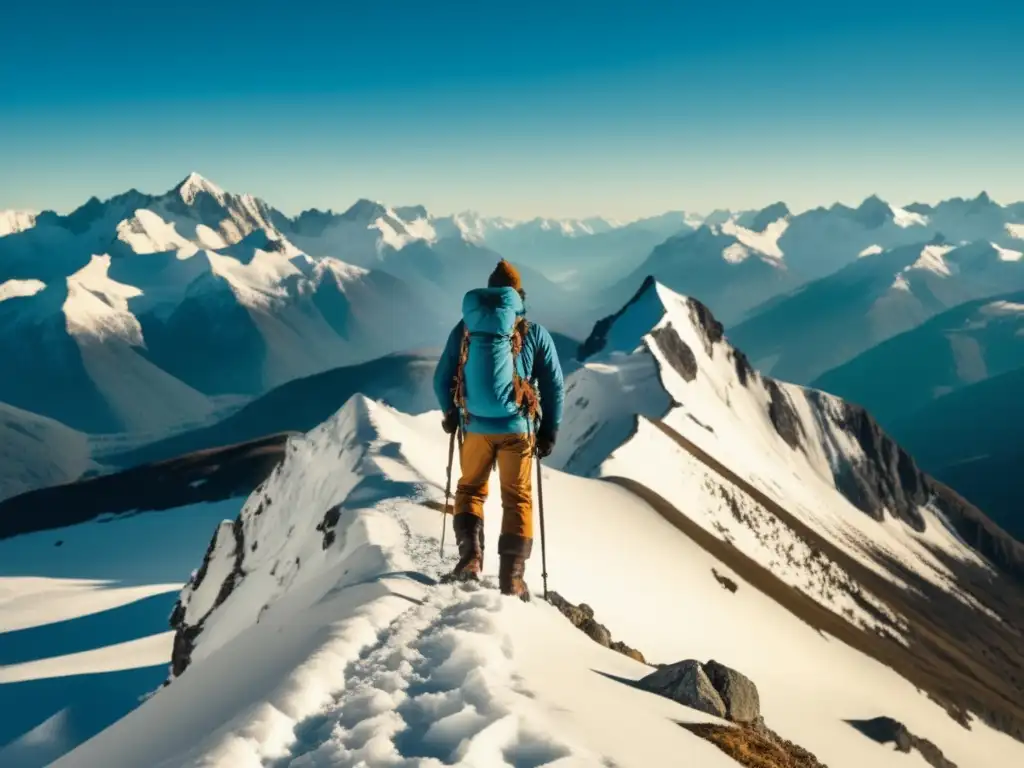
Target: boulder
[742, 702]
[687, 683]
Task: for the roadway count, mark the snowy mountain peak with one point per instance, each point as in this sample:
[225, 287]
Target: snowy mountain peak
[194, 185]
[364, 210]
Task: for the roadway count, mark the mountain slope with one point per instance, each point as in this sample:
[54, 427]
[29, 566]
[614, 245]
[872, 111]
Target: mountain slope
[731, 268]
[962, 346]
[16, 221]
[36, 452]
[971, 440]
[830, 321]
[315, 622]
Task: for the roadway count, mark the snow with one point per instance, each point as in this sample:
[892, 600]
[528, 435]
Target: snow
[1007, 254]
[931, 260]
[85, 635]
[195, 185]
[904, 218]
[97, 307]
[14, 289]
[347, 654]
[766, 242]
[1015, 230]
[736, 253]
[901, 283]
[1003, 308]
[16, 221]
[871, 250]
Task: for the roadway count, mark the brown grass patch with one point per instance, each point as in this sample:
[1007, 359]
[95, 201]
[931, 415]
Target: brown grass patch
[753, 747]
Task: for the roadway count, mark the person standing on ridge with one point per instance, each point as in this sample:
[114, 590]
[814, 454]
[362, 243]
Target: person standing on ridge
[484, 383]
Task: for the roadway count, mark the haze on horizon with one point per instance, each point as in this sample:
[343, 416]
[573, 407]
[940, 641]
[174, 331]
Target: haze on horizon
[619, 111]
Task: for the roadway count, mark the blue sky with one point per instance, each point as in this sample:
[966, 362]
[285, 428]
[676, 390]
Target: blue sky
[519, 109]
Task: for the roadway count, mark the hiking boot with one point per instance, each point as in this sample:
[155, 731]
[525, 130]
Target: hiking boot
[510, 577]
[469, 537]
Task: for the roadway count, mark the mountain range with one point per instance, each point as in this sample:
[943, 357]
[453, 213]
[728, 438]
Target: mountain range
[702, 511]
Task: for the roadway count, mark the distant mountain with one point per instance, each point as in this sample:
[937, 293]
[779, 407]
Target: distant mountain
[583, 255]
[973, 440]
[402, 380]
[36, 452]
[960, 347]
[16, 221]
[129, 315]
[826, 323]
[730, 267]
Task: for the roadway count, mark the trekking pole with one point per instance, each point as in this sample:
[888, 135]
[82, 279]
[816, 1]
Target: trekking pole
[447, 492]
[540, 500]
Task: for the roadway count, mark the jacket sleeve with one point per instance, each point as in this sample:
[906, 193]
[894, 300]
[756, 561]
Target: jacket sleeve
[445, 371]
[548, 372]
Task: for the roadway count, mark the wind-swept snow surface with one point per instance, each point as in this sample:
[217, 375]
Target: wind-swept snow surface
[83, 624]
[314, 635]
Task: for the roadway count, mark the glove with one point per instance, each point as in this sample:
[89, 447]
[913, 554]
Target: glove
[546, 442]
[450, 422]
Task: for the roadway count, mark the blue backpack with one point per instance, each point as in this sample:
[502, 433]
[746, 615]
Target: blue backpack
[488, 380]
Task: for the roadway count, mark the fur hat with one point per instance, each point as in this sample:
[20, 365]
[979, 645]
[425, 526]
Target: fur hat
[505, 276]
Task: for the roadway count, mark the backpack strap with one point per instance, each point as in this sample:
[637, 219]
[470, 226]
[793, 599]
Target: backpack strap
[525, 394]
[459, 380]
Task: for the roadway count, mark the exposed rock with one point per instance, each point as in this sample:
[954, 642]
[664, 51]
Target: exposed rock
[784, 417]
[742, 702]
[887, 478]
[676, 351]
[725, 581]
[328, 524]
[582, 617]
[687, 683]
[704, 321]
[887, 730]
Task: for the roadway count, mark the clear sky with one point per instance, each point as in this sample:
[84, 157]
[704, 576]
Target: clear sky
[518, 108]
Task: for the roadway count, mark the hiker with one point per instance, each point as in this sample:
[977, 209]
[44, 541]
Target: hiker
[484, 382]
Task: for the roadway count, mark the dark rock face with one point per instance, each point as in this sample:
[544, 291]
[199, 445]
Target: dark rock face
[888, 478]
[688, 683]
[783, 415]
[711, 330]
[743, 705]
[679, 355]
[582, 617]
[328, 524]
[887, 730]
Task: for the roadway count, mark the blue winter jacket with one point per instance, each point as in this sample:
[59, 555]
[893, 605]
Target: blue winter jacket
[493, 310]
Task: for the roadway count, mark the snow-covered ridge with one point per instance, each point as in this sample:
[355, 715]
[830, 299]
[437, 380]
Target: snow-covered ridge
[821, 459]
[314, 634]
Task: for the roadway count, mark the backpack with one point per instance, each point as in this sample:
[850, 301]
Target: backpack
[488, 377]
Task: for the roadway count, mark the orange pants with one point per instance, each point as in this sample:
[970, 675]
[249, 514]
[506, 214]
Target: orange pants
[514, 456]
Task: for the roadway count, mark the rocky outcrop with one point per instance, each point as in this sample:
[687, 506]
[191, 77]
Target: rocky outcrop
[712, 687]
[886, 730]
[687, 683]
[582, 617]
[676, 351]
[742, 702]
